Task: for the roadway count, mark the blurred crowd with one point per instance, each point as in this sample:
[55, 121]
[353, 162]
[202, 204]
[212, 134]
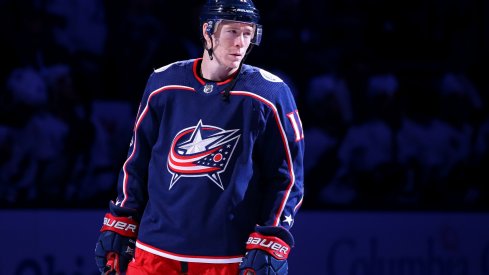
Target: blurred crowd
[392, 96]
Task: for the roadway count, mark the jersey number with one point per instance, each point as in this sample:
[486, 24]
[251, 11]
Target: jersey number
[296, 122]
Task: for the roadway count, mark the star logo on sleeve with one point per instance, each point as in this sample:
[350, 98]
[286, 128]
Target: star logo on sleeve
[289, 220]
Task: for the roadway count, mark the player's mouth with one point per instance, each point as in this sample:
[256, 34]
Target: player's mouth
[235, 57]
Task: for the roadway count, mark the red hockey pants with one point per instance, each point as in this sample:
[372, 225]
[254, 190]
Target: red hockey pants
[146, 263]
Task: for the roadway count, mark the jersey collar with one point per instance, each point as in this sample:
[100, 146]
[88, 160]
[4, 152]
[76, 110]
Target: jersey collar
[197, 63]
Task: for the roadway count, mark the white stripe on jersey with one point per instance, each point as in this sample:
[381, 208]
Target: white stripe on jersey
[187, 258]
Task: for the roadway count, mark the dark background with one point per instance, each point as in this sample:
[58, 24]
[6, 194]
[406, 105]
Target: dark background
[392, 94]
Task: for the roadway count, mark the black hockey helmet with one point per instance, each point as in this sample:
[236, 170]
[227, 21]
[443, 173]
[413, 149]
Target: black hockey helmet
[232, 10]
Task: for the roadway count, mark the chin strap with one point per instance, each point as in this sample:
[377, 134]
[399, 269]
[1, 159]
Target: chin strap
[210, 51]
[227, 91]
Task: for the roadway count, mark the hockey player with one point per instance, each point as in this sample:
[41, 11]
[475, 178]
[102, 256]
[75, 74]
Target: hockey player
[213, 177]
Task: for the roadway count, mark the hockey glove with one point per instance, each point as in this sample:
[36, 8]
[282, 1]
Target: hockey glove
[116, 243]
[267, 251]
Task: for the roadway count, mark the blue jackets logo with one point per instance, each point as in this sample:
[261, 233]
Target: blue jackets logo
[201, 151]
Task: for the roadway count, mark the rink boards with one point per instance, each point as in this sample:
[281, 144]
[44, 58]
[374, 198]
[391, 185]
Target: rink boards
[333, 243]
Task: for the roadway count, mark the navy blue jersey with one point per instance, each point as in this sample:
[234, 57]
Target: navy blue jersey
[204, 171]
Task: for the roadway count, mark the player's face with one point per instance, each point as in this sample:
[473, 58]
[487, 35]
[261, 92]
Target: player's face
[232, 41]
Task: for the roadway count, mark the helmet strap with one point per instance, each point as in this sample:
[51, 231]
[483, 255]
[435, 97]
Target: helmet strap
[210, 50]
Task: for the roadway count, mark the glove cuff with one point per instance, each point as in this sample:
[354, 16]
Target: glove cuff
[276, 231]
[118, 211]
[121, 225]
[274, 246]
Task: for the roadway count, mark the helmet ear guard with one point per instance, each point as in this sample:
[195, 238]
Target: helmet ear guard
[258, 34]
[210, 28]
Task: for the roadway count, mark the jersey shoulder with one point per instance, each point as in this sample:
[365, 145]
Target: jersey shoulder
[175, 73]
[183, 64]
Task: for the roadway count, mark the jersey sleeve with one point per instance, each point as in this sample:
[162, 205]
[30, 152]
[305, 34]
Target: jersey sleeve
[281, 150]
[133, 176]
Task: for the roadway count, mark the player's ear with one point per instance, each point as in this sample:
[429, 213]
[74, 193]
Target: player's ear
[206, 36]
